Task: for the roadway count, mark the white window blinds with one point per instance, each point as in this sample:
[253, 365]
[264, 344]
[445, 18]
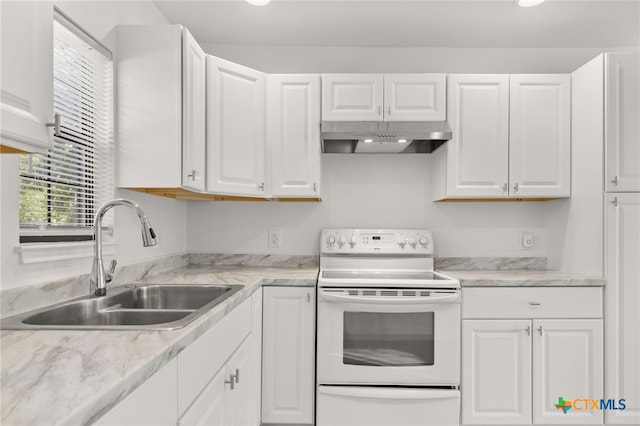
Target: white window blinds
[62, 189]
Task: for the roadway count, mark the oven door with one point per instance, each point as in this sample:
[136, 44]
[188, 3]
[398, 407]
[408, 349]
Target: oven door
[388, 336]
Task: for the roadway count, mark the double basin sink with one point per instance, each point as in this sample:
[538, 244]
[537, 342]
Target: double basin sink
[145, 307]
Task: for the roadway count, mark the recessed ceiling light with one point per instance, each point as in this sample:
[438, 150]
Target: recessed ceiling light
[258, 2]
[402, 141]
[527, 3]
[368, 140]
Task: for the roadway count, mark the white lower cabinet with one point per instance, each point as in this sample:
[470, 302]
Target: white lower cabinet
[288, 378]
[226, 400]
[519, 363]
[213, 381]
[622, 296]
[154, 403]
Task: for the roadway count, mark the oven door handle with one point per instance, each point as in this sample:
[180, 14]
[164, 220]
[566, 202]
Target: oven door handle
[450, 298]
[388, 393]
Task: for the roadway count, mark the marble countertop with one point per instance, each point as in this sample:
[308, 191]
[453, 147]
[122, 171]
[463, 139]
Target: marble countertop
[522, 278]
[73, 377]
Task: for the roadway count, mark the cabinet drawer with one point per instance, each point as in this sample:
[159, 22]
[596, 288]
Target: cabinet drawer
[532, 302]
[199, 362]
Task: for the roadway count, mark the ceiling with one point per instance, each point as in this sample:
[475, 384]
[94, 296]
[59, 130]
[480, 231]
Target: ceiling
[414, 23]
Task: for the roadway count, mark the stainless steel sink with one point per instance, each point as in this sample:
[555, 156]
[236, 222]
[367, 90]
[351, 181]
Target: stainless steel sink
[151, 307]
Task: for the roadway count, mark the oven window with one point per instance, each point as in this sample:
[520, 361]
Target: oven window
[388, 339]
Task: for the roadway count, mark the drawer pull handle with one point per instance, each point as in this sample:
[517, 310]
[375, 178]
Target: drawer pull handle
[535, 303]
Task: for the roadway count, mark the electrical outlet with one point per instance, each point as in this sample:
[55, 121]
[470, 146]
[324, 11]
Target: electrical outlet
[274, 238]
[526, 240]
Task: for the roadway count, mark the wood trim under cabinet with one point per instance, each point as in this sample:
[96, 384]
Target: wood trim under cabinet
[493, 200]
[185, 194]
[4, 149]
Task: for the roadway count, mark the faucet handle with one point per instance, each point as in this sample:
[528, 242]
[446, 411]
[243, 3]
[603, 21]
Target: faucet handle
[111, 271]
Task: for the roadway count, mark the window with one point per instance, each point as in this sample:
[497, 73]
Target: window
[60, 191]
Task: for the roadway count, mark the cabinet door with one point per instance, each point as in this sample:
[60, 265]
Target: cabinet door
[235, 129]
[352, 97]
[567, 363]
[288, 369]
[241, 396]
[26, 88]
[414, 97]
[193, 113]
[478, 155]
[496, 372]
[622, 108]
[540, 136]
[293, 123]
[153, 403]
[210, 408]
[622, 298]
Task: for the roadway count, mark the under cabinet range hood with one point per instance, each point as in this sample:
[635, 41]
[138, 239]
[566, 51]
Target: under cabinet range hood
[380, 137]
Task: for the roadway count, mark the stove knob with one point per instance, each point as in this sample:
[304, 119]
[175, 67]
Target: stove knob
[342, 240]
[353, 240]
[413, 241]
[402, 242]
[331, 240]
[423, 241]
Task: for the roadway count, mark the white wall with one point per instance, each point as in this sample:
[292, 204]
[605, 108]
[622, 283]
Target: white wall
[379, 190]
[166, 215]
[312, 59]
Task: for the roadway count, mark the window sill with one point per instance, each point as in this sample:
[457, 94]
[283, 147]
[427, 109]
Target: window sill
[54, 252]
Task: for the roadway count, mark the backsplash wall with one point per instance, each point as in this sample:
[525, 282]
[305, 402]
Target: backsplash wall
[375, 191]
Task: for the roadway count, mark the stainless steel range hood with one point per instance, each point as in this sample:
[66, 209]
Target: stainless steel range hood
[378, 137]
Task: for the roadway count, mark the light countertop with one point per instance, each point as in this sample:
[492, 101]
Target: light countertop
[73, 377]
[522, 278]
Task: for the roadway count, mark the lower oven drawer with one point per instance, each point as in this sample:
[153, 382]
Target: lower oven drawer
[383, 406]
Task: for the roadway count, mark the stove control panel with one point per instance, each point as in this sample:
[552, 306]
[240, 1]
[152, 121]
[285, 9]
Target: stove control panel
[366, 241]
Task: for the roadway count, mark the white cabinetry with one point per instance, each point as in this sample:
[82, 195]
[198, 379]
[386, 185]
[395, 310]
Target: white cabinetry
[288, 378]
[293, 134]
[235, 129]
[161, 109]
[622, 298]
[511, 138]
[540, 135]
[517, 360]
[154, 403]
[622, 109]
[26, 88]
[389, 97]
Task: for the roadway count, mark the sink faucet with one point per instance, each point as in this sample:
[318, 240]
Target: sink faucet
[99, 277]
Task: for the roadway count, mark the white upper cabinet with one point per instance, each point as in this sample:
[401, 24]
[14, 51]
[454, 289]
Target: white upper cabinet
[511, 138]
[26, 88]
[293, 134]
[622, 109]
[352, 97]
[389, 97]
[235, 129]
[477, 157]
[540, 136]
[156, 138]
[193, 114]
[414, 97]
